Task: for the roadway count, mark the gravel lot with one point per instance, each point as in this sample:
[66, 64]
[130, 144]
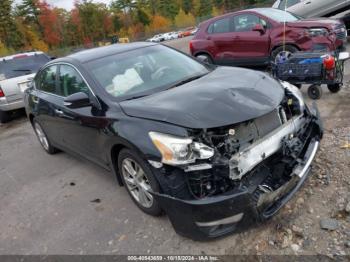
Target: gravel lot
[63, 205]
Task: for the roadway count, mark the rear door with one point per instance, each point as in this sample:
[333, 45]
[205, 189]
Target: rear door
[221, 34]
[46, 100]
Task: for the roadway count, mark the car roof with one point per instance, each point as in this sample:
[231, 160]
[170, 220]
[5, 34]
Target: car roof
[95, 53]
[256, 10]
[19, 55]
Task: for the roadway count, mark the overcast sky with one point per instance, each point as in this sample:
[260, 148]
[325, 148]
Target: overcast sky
[67, 4]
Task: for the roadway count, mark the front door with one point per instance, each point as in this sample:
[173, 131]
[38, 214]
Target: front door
[82, 128]
[250, 47]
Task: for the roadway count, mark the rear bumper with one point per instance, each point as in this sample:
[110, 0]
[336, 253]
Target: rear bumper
[9, 106]
[217, 216]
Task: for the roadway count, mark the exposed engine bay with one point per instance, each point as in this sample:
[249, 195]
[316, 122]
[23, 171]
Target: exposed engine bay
[267, 148]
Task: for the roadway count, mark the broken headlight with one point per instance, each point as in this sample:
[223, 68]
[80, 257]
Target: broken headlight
[178, 150]
[296, 93]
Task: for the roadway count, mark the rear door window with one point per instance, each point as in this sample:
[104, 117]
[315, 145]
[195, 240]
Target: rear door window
[22, 65]
[220, 26]
[46, 80]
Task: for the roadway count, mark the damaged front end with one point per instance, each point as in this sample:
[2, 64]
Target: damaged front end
[254, 168]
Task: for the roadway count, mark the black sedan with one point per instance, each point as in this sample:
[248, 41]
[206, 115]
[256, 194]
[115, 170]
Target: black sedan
[216, 148]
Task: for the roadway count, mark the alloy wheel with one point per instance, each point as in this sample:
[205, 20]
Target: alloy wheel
[41, 136]
[282, 56]
[137, 182]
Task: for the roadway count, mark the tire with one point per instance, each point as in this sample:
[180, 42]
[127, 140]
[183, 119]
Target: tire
[137, 187]
[334, 88]
[206, 58]
[289, 49]
[43, 139]
[4, 117]
[315, 92]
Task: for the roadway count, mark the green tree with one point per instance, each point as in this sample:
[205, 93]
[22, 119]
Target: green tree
[127, 7]
[205, 8]
[9, 33]
[187, 6]
[29, 10]
[168, 8]
[142, 17]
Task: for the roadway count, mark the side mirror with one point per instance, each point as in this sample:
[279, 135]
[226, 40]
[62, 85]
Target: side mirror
[203, 59]
[77, 100]
[259, 28]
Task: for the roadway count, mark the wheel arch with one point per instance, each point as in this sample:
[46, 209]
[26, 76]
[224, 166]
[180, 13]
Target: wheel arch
[115, 150]
[31, 118]
[203, 53]
[281, 44]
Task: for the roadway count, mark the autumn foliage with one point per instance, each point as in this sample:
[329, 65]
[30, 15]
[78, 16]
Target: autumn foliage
[34, 24]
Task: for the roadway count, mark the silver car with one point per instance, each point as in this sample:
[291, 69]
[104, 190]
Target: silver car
[313, 8]
[16, 72]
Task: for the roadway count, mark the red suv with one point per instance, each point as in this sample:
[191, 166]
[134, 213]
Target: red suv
[255, 36]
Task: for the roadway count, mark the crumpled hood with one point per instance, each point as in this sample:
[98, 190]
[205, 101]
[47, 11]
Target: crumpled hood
[315, 23]
[223, 97]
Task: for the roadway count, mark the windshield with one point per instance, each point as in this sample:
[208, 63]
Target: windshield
[144, 71]
[278, 15]
[21, 65]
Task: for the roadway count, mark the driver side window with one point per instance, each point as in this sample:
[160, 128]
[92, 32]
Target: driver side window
[246, 22]
[70, 81]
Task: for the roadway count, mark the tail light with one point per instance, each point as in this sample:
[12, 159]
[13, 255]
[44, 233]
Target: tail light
[2, 94]
[329, 62]
[191, 47]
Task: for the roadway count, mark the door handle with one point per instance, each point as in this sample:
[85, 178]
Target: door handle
[59, 112]
[307, 3]
[208, 38]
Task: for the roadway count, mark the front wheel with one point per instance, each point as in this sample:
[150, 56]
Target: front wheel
[43, 139]
[334, 88]
[139, 181]
[4, 117]
[281, 54]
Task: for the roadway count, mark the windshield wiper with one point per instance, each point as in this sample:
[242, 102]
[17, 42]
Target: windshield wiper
[22, 70]
[134, 97]
[187, 80]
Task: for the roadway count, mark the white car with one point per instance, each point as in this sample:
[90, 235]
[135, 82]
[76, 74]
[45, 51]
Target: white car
[157, 38]
[16, 72]
[313, 8]
[170, 36]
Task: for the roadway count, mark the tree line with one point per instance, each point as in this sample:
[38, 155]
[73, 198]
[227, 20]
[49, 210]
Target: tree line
[34, 24]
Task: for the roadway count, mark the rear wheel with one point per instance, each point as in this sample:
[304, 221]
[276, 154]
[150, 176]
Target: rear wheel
[205, 58]
[334, 88]
[4, 117]
[43, 139]
[139, 181]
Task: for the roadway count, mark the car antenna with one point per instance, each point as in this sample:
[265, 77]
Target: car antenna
[284, 26]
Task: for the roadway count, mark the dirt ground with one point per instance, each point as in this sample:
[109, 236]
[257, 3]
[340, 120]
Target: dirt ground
[63, 205]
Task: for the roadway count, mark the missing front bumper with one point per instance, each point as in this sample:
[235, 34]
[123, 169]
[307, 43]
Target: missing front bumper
[220, 215]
